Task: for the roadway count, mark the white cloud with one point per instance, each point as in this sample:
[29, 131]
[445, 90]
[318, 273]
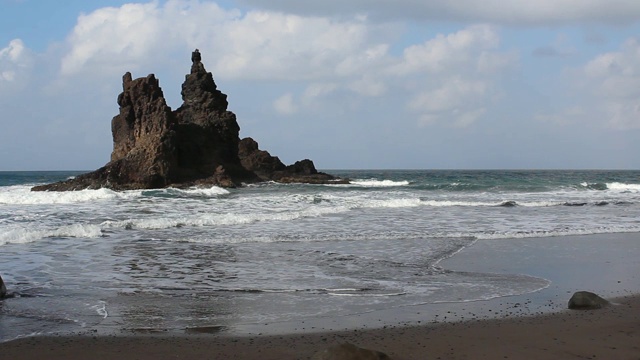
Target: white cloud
[253, 45]
[368, 86]
[517, 12]
[457, 100]
[456, 75]
[284, 104]
[349, 54]
[7, 75]
[276, 46]
[605, 92]
[450, 95]
[376, 80]
[373, 55]
[613, 81]
[310, 99]
[450, 77]
[15, 64]
[318, 90]
[14, 51]
[112, 36]
[446, 52]
[13, 58]
[568, 116]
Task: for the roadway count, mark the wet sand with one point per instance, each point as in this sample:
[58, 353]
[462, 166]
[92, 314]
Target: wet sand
[610, 333]
[529, 326]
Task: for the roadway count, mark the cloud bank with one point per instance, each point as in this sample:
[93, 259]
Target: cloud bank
[512, 12]
[346, 73]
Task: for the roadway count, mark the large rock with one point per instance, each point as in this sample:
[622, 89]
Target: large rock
[348, 351]
[197, 144]
[259, 161]
[585, 300]
[3, 289]
[270, 168]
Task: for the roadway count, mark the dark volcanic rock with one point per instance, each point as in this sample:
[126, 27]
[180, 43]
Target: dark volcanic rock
[259, 161]
[269, 167]
[585, 300]
[207, 134]
[197, 144]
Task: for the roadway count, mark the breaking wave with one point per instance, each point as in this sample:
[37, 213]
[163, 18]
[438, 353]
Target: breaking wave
[22, 195]
[623, 187]
[614, 186]
[377, 183]
[22, 235]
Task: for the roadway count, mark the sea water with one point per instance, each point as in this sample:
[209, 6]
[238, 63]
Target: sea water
[213, 258]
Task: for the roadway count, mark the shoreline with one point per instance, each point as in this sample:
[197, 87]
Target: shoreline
[527, 326]
[609, 333]
[607, 264]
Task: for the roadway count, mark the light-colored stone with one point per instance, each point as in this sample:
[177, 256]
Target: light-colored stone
[348, 351]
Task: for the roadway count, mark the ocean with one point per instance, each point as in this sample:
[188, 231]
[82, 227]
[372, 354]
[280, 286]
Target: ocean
[213, 259]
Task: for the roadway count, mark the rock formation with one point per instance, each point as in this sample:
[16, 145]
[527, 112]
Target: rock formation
[197, 144]
[585, 300]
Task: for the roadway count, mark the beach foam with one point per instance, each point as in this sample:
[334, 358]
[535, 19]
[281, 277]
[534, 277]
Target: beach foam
[21, 235]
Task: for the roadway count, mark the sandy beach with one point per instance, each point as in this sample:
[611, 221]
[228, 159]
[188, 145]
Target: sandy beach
[529, 326]
[611, 333]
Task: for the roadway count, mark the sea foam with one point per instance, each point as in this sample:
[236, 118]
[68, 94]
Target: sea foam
[555, 233]
[377, 183]
[214, 219]
[623, 187]
[22, 235]
[22, 195]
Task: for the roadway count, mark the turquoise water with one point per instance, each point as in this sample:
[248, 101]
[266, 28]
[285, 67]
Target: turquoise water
[172, 259]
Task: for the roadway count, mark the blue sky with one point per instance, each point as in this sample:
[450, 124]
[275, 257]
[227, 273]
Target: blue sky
[359, 84]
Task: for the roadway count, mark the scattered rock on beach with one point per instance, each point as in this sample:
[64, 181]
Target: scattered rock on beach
[585, 300]
[3, 289]
[348, 351]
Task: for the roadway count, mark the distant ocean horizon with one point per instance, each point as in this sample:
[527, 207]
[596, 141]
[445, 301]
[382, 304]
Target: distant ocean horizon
[169, 259]
[340, 170]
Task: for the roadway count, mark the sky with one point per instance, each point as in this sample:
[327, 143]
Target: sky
[350, 84]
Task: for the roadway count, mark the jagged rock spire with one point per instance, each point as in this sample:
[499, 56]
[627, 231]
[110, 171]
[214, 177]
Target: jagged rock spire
[200, 91]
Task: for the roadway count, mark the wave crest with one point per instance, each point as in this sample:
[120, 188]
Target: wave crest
[21, 235]
[622, 187]
[22, 195]
[378, 183]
